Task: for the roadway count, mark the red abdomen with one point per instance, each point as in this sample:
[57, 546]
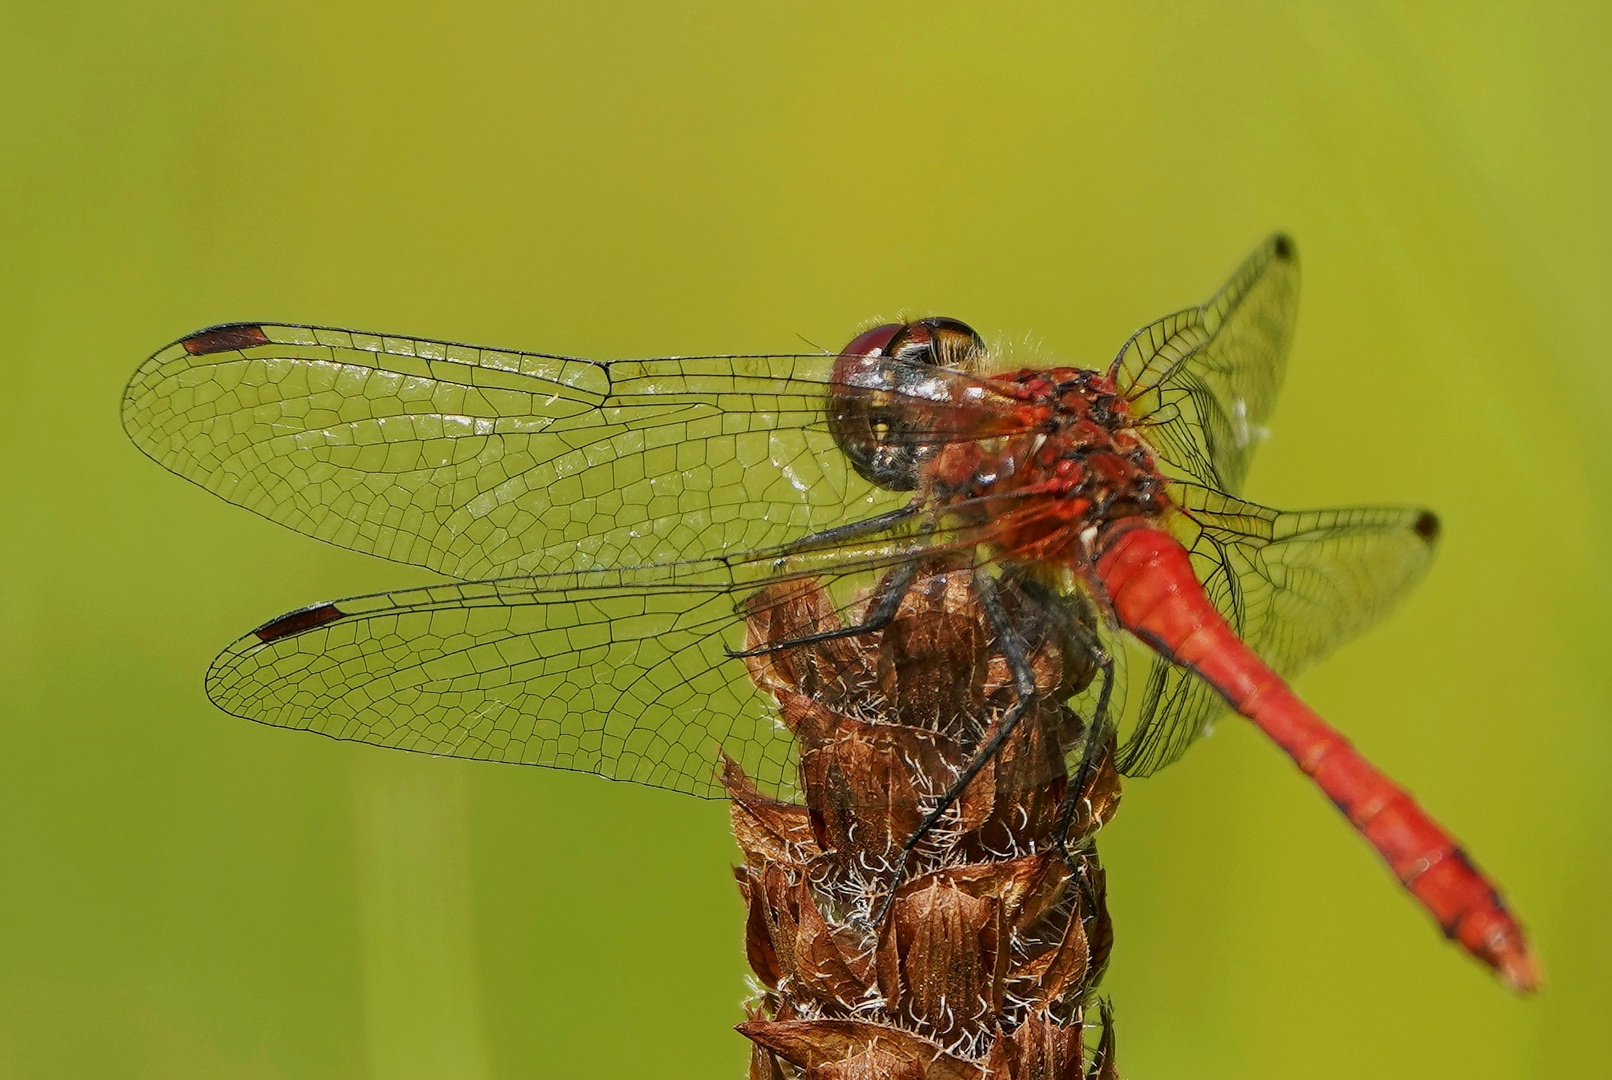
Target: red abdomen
[1156, 596]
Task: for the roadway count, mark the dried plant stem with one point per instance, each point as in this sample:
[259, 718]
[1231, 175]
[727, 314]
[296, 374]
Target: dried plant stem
[985, 963]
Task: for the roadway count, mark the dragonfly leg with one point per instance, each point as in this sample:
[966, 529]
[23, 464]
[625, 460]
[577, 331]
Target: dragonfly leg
[1096, 728]
[1024, 690]
[1080, 630]
[883, 612]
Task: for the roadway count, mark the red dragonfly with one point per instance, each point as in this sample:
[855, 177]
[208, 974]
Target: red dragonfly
[605, 522]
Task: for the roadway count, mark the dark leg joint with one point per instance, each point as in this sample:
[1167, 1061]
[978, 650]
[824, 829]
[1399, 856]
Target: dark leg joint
[1024, 688]
[883, 613]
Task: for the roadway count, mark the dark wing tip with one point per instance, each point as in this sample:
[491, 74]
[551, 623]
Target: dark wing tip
[1283, 248]
[1427, 526]
[224, 338]
[298, 621]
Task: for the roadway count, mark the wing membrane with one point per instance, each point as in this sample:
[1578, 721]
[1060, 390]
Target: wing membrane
[1202, 382]
[622, 672]
[628, 682]
[482, 463]
[1293, 585]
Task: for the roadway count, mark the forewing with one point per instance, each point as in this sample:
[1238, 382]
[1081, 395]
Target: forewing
[1202, 382]
[1292, 585]
[483, 463]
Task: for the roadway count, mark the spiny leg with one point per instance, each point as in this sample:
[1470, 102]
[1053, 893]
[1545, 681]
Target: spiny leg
[895, 590]
[1024, 692]
[1088, 758]
[1073, 626]
[1096, 729]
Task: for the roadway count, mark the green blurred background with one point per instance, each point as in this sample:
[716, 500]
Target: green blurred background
[188, 895]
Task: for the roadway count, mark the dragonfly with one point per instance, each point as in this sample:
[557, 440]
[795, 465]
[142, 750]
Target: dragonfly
[605, 527]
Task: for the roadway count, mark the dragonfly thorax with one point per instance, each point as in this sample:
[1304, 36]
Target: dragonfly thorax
[1046, 457]
[1049, 490]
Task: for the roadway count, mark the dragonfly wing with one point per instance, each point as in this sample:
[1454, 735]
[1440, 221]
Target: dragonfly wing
[1202, 382]
[623, 672]
[1293, 585]
[483, 463]
[619, 679]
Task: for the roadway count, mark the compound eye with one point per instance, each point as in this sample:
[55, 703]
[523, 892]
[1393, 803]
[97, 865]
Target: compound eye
[874, 411]
[938, 340]
[875, 342]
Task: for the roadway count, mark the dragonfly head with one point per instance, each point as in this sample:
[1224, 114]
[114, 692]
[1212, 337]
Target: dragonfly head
[879, 390]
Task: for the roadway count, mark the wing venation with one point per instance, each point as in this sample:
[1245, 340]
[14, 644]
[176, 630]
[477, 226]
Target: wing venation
[629, 683]
[1293, 585]
[483, 463]
[1202, 382]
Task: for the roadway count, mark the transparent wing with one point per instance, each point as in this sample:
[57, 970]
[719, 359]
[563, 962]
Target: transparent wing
[632, 683]
[623, 672]
[482, 463]
[1293, 586]
[1202, 382]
